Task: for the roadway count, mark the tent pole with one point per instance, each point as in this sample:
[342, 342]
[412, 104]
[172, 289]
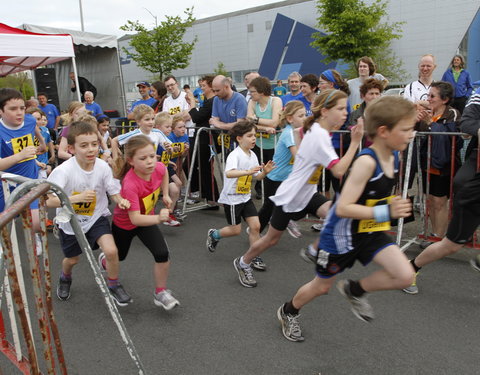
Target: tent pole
[122, 84]
[76, 79]
[34, 83]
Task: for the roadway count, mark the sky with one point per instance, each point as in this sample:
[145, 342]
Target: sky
[106, 16]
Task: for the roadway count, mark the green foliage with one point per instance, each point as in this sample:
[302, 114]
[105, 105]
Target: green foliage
[161, 50]
[20, 82]
[221, 70]
[353, 29]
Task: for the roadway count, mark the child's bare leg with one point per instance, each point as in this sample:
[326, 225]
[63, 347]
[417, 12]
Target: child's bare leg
[107, 243]
[436, 251]
[315, 288]
[68, 264]
[160, 273]
[174, 193]
[230, 230]
[254, 225]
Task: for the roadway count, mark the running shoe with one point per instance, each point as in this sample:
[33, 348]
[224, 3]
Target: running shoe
[63, 289]
[290, 326]
[245, 275]
[318, 227]
[307, 256]
[179, 215]
[360, 306]
[293, 229]
[412, 289]
[172, 221]
[165, 299]
[258, 264]
[211, 242]
[119, 295]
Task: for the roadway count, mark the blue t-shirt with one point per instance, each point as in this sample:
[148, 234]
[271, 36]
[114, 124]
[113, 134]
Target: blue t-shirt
[283, 157]
[179, 142]
[94, 108]
[230, 110]
[43, 158]
[12, 141]
[289, 97]
[279, 91]
[198, 94]
[307, 105]
[52, 113]
[150, 101]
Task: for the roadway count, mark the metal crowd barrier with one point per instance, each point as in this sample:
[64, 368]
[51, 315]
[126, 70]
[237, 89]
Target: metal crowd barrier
[18, 202]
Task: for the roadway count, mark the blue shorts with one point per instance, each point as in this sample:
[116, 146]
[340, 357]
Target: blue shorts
[71, 247]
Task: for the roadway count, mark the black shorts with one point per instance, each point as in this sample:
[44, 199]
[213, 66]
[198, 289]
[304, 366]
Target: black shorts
[439, 185]
[280, 218]
[234, 213]
[71, 247]
[365, 247]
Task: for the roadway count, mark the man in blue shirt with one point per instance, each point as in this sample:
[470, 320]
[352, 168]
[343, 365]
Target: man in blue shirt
[294, 85]
[53, 115]
[198, 94]
[144, 90]
[90, 105]
[228, 106]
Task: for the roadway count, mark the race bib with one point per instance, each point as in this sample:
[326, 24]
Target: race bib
[179, 148]
[19, 143]
[292, 159]
[244, 184]
[226, 140]
[370, 225]
[263, 135]
[150, 201]
[84, 208]
[174, 110]
[315, 177]
[165, 159]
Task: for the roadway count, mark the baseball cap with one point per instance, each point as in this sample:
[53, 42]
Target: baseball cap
[143, 83]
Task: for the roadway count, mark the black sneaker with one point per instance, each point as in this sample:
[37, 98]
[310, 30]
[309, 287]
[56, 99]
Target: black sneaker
[211, 242]
[258, 264]
[245, 275]
[307, 256]
[119, 294]
[360, 306]
[63, 289]
[290, 326]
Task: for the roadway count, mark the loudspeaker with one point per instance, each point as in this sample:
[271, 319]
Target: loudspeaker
[47, 83]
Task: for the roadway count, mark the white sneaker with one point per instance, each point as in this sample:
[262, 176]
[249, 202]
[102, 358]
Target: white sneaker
[165, 299]
[293, 229]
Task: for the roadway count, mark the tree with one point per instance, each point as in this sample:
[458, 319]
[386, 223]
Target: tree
[221, 70]
[161, 50]
[353, 29]
[20, 82]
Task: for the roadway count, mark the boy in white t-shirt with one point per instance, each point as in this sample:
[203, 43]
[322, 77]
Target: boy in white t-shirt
[242, 164]
[145, 118]
[86, 179]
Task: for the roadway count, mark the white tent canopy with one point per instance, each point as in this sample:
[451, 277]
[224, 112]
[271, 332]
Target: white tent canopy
[23, 50]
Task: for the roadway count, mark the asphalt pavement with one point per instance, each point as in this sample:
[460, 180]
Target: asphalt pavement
[223, 328]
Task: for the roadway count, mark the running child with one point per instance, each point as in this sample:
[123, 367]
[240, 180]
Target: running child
[297, 196]
[143, 180]
[241, 166]
[356, 224]
[103, 125]
[43, 161]
[180, 144]
[86, 179]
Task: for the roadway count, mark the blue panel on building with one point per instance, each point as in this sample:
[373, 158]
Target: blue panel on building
[276, 44]
[473, 58]
[286, 69]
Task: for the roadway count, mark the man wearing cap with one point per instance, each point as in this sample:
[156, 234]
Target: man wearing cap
[91, 106]
[144, 90]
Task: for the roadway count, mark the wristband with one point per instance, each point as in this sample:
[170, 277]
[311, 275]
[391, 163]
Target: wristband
[107, 152]
[381, 213]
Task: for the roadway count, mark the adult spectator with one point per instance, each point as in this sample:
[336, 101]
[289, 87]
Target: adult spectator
[53, 115]
[366, 69]
[84, 84]
[417, 91]
[187, 88]
[198, 93]
[201, 117]
[159, 94]
[309, 87]
[280, 90]
[228, 106]
[460, 79]
[144, 91]
[248, 77]
[294, 86]
[31, 103]
[176, 102]
[90, 104]
[234, 88]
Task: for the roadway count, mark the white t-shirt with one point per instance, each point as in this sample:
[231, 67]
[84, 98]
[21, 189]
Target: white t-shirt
[73, 179]
[315, 152]
[177, 105]
[416, 91]
[237, 190]
[155, 135]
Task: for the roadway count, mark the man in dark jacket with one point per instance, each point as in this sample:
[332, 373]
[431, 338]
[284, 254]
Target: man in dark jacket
[84, 84]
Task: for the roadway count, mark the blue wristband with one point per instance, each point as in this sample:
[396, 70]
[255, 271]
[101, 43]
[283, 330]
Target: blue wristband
[381, 213]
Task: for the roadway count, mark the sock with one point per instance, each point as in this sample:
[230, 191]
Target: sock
[216, 235]
[415, 267]
[288, 308]
[159, 290]
[356, 289]
[311, 250]
[112, 282]
[65, 276]
[104, 263]
[243, 264]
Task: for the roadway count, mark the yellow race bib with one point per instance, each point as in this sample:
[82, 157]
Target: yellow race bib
[174, 110]
[226, 140]
[244, 184]
[264, 135]
[19, 143]
[150, 201]
[370, 225]
[315, 177]
[84, 208]
[165, 159]
[181, 148]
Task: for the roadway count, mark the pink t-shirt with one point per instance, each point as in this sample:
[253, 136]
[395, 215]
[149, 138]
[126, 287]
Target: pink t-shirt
[142, 195]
